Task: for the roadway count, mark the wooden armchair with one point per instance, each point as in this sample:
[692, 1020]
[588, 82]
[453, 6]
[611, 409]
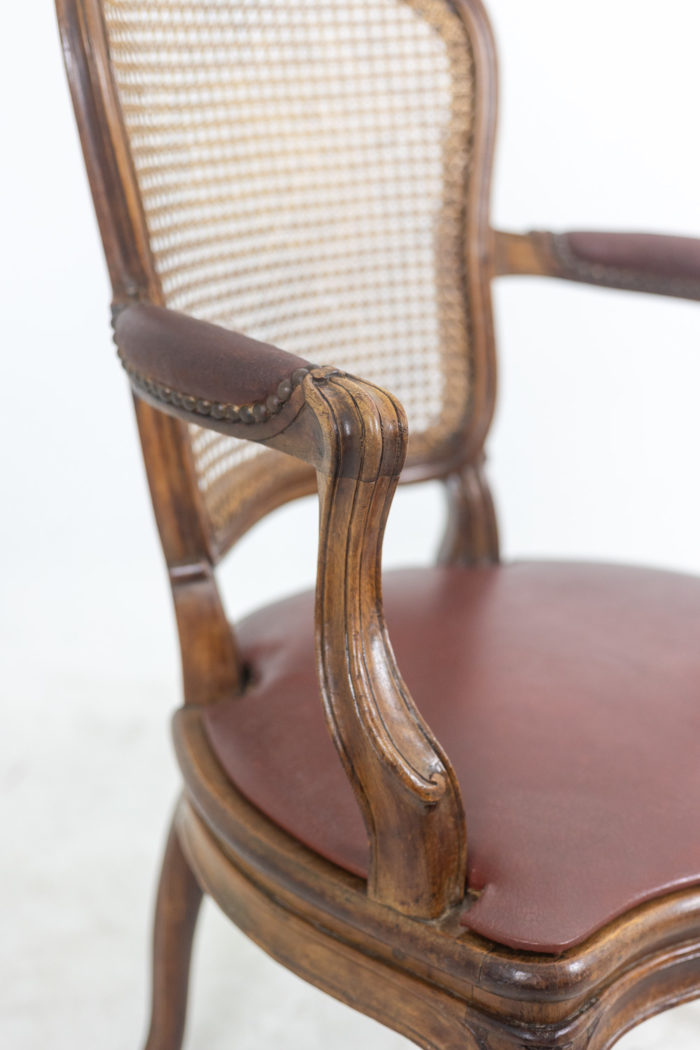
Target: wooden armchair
[525, 872]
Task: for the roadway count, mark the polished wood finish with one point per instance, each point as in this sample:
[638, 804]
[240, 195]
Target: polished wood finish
[471, 533]
[526, 254]
[391, 947]
[403, 781]
[177, 907]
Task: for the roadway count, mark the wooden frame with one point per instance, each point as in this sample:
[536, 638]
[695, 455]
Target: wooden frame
[449, 988]
[392, 947]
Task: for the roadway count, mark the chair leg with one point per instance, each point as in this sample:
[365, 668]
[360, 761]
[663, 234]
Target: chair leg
[177, 906]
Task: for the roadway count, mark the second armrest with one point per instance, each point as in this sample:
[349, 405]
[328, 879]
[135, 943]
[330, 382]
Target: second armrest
[644, 262]
[202, 370]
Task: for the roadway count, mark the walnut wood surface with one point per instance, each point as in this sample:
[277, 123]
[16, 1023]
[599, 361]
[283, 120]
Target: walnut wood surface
[177, 908]
[471, 533]
[404, 783]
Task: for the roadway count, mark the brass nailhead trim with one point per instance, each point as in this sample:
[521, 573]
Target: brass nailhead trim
[254, 412]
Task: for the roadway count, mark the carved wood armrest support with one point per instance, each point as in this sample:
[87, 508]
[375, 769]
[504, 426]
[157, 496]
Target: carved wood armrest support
[639, 262]
[404, 783]
[355, 436]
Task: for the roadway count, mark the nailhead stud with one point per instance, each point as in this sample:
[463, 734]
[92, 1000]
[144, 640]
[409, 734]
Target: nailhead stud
[284, 389]
[257, 412]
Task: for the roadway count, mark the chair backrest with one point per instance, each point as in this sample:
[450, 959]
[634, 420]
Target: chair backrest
[314, 175]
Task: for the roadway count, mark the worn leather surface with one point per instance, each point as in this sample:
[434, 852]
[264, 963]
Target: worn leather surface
[200, 359]
[568, 699]
[645, 261]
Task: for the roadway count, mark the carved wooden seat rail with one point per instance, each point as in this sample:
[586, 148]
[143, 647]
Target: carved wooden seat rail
[293, 199]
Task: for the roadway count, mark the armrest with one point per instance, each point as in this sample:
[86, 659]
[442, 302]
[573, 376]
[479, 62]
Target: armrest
[204, 373]
[355, 435]
[640, 262]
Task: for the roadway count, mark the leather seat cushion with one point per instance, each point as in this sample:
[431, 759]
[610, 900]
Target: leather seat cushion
[568, 699]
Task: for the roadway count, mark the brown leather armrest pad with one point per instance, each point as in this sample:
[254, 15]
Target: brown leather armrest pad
[638, 262]
[207, 367]
[646, 262]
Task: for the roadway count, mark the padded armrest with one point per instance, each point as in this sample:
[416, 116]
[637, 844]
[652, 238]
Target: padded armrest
[200, 369]
[643, 262]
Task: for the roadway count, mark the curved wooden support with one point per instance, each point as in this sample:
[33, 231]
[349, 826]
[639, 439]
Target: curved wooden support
[404, 783]
[437, 985]
[424, 1013]
[211, 664]
[471, 533]
[177, 907]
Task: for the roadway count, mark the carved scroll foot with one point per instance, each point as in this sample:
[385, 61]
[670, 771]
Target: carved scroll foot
[177, 907]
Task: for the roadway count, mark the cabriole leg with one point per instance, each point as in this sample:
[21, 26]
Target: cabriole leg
[177, 906]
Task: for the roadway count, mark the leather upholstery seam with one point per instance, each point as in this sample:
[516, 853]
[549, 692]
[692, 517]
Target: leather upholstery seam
[249, 412]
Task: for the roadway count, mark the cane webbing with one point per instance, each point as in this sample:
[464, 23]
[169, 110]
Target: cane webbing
[302, 166]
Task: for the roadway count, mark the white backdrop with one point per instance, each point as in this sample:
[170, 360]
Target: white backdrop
[593, 455]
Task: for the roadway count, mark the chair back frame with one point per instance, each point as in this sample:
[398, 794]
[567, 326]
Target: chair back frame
[182, 520]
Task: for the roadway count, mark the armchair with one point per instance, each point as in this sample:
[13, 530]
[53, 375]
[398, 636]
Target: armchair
[489, 841]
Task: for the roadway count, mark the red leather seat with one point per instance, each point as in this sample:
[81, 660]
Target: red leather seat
[568, 699]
